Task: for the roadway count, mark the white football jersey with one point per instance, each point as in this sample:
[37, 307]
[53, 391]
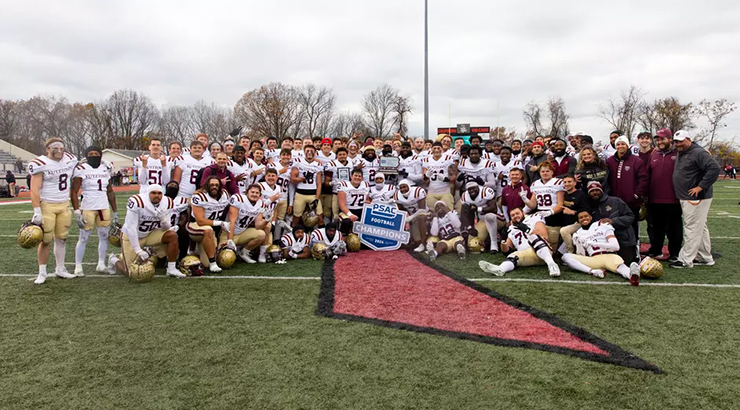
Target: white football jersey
[519, 238]
[484, 169]
[485, 194]
[237, 170]
[215, 208]
[308, 170]
[269, 205]
[412, 166]
[547, 193]
[94, 187]
[297, 153]
[422, 154]
[319, 236]
[181, 204]
[145, 220]
[452, 153]
[153, 173]
[175, 161]
[584, 238]
[283, 179]
[369, 169]
[57, 177]
[272, 155]
[410, 201]
[253, 166]
[248, 212]
[190, 168]
[355, 195]
[449, 225]
[608, 151]
[438, 171]
[325, 159]
[491, 156]
[290, 242]
[382, 194]
[503, 170]
[340, 172]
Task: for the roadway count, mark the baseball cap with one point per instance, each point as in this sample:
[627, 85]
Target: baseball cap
[326, 141]
[681, 135]
[538, 143]
[664, 133]
[594, 185]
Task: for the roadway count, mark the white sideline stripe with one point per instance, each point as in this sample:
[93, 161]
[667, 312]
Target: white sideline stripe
[591, 282]
[51, 276]
[21, 202]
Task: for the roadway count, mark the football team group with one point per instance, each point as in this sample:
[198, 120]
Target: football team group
[547, 201]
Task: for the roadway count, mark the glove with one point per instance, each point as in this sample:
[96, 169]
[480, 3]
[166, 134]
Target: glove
[235, 131]
[545, 213]
[225, 226]
[522, 227]
[292, 255]
[37, 218]
[142, 255]
[115, 217]
[314, 203]
[523, 195]
[231, 245]
[79, 219]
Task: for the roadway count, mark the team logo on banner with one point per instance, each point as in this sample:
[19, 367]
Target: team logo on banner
[382, 227]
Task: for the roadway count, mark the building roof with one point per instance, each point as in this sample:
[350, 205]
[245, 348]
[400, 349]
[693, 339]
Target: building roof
[128, 153]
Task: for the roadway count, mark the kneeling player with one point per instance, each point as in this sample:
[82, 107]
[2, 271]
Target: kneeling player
[480, 201]
[446, 226]
[527, 234]
[295, 244]
[413, 200]
[333, 239]
[247, 226]
[208, 208]
[149, 222]
[596, 247]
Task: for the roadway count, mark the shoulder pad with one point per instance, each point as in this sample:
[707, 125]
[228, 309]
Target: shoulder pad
[135, 202]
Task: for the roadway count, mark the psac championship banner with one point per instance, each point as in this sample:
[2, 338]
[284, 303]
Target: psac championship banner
[382, 227]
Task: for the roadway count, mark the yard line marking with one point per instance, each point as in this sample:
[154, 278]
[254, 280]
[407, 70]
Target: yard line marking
[51, 274]
[28, 201]
[590, 282]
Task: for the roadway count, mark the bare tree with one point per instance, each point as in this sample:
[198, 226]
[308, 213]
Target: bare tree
[271, 110]
[378, 106]
[132, 116]
[533, 117]
[176, 123]
[348, 124]
[212, 119]
[317, 106]
[671, 114]
[714, 112]
[622, 112]
[501, 133]
[101, 124]
[558, 117]
[401, 110]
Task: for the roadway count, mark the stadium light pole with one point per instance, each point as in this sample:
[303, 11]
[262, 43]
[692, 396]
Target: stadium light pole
[426, 69]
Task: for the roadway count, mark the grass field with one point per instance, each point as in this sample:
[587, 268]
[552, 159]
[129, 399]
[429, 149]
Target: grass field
[105, 343]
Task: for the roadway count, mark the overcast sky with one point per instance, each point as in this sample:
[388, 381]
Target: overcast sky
[482, 54]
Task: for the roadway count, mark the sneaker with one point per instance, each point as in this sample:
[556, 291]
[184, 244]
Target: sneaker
[244, 255]
[78, 271]
[702, 263]
[111, 268]
[488, 267]
[597, 273]
[420, 248]
[554, 270]
[493, 252]
[672, 259]
[175, 273]
[214, 268]
[101, 268]
[679, 265]
[654, 255]
[40, 279]
[262, 258]
[634, 274]
[62, 273]
[431, 253]
[461, 251]
[429, 247]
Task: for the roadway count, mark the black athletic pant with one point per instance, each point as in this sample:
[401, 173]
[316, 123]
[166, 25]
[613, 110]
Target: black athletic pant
[628, 253]
[667, 222]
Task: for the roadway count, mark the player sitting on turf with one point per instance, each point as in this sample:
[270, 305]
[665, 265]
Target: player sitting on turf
[149, 222]
[596, 247]
[527, 235]
[333, 239]
[247, 225]
[445, 226]
[480, 201]
[93, 179]
[295, 244]
[208, 210]
[413, 200]
[351, 197]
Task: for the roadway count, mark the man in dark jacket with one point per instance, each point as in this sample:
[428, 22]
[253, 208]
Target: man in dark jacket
[538, 157]
[564, 163]
[664, 211]
[616, 212]
[694, 174]
[628, 178]
[10, 180]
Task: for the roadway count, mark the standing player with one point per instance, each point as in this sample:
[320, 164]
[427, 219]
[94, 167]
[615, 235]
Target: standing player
[502, 169]
[51, 176]
[306, 175]
[596, 247]
[445, 226]
[413, 200]
[341, 170]
[439, 170]
[208, 211]
[149, 222]
[351, 198]
[272, 153]
[325, 155]
[175, 154]
[409, 165]
[186, 173]
[477, 169]
[548, 196]
[239, 168]
[153, 168]
[98, 199]
[287, 189]
[369, 164]
[247, 225]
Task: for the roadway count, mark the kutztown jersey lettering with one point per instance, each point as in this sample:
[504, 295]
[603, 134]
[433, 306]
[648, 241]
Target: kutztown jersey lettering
[190, 168]
[57, 176]
[215, 209]
[248, 212]
[438, 171]
[485, 194]
[308, 170]
[587, 240]
[269, 205]
[94, 185]
[519, 238]
[153, 173]
[148, 220]
[355, 196]
[410, 201]
[237, 170]
[547, 193]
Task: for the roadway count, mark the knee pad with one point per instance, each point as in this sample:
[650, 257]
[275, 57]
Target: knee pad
[537, 242]
[84, 236]
[513, 259]
[102, 233]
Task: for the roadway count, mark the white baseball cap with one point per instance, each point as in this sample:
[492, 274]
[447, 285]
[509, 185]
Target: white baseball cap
[681, 135]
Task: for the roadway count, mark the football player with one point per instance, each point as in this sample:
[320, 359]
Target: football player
[352, 197]
[271, 193]
[297, 150]
[186, 173]
[239, 167]
[257, 166]
[152, 169]
[332, 238]
[596, 247]
[149, 223]
[229, 146]
[381, 192]
[208, 211]
[272, 153]
[98, 200]
[369, 164]
[325, 155]
[548, 197]
[175, 154]
[409, 166]
[527, 235]
[284, 168]
[51, 177]
[413, 200]
[445, 226]
[502, 168]
[480, 201]
[306, 174]
[439, 170]
[341, 170]
[247, 225]
[475, 168]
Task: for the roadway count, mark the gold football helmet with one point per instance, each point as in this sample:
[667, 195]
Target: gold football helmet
[274, 253]
[191, 266]
[225, 258]
[651, 268]
[114, 234]
[353, 242]
[318, 251]
[141, 272]
[643, 212]
[475, 245]
[30, 235]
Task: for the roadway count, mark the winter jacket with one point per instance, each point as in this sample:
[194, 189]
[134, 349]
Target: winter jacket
[221, 174]
[621, 215]
[694, 167]
[660, 171]
[628, 178]
[534, 175]
[592, 172]
[566, 166]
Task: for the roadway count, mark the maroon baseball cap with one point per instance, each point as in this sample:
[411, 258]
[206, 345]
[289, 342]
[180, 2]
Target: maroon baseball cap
[664, 133]
[594, 185]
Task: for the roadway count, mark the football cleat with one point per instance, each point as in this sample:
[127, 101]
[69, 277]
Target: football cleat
[554, 270]
[262, 258]
[111, 268]
[62, 273]
[175, 273]
[78, 271]
[679, 265]
[461, 251]
[214, 268]
[634, 274]
[101, 268]
[419, 248]
[488, 267]
[40, 279]
[597, 273]
[431, 253]
[244, 255]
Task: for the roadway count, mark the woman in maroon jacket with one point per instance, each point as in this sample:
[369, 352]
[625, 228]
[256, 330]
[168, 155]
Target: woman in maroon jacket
[628, 178]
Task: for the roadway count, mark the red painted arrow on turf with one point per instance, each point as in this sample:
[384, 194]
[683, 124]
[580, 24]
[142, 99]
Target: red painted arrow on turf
[397, 290]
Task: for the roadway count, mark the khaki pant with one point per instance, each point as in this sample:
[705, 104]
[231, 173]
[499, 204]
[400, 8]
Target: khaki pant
[326, 204]
[57, 219]
[445, 197]
[607, 261]
[696, 242]
[101, 219]
[302, 201]
[243, 238]
[154, 240]
[553, 236]
[280, 209]
[527, 257]
[566, 233]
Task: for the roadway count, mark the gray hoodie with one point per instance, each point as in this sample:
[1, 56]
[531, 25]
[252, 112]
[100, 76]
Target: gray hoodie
[694, 167]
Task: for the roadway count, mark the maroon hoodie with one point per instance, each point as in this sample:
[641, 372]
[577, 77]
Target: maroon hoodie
[628, 177]
[221, 174]
[660, 169]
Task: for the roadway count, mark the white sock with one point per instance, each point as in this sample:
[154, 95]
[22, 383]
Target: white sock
[102, 243]
[624, 270]
[491, 228]
[263, 249]
[545, 255]
[507, 266]
[115, 259]
[574, 264]
[42, 270]
[59, 250]
[81, 245]
[171, 265]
